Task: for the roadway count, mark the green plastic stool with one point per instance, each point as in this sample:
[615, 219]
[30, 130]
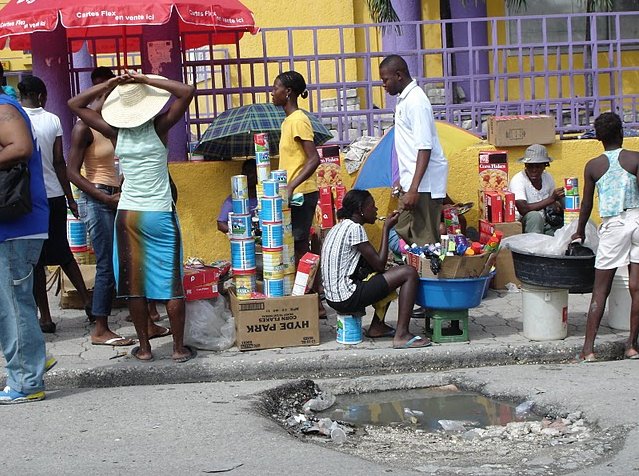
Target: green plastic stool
[440, 317]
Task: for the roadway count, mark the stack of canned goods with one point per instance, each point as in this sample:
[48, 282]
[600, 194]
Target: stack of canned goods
[288, 248]
[242, 240]
[572, 206]
[272, 239]
[262, 161]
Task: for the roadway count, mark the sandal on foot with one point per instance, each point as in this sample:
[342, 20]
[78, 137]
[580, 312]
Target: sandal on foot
[165, 332]
[631, 357]
[116, 342]
[136, 350]
[414, 343]
[186, 358]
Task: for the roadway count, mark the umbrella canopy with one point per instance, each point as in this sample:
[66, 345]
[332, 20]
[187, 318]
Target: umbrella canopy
[380, 168]
[94, 18]
[231, 133]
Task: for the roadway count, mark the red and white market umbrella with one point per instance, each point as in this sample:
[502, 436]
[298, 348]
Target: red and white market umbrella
[100, 18]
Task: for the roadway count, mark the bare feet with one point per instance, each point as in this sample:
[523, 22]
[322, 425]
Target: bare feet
[155, 331]
[144, 356]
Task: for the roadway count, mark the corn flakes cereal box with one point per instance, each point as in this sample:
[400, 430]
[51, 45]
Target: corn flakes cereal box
[329, 170]
[493, 170]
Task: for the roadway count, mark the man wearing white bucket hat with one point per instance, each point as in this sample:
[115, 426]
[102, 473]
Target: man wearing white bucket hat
[148, 249]
[537, 201]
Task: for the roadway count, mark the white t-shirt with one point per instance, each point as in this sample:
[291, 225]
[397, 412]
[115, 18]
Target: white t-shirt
[46, 127]
[339, 259]
[523, 189]
[415, 131]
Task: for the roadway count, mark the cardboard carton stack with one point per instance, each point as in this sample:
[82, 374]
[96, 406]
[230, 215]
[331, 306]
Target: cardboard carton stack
[511, 131]
[331, 188]
[496, 203]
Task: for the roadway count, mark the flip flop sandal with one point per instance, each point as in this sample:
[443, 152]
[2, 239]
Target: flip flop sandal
[464, 207]
[186, 358]
[136, 350]
[116, 342]
[164, 333]
[414, 340]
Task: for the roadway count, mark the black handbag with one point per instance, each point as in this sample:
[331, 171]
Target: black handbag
[15, 192]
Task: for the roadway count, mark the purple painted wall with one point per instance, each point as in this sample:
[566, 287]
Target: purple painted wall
[51, 64]
[471, 35]
[406, 41]
[161, 55]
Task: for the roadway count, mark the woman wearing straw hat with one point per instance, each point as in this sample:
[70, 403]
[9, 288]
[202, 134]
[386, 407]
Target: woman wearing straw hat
[537, 201]
[148, 249]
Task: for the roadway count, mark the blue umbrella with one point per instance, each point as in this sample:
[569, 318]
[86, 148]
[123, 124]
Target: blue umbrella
[380, 166]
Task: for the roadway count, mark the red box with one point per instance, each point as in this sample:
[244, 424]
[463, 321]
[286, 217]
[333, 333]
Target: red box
[201, 283]
[486, 227]
[340, 191]
[325, 196]
[327, 215]
[493, 207]
[509, 206]
[306, 270]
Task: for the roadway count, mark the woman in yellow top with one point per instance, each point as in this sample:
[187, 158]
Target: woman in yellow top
[298, 156]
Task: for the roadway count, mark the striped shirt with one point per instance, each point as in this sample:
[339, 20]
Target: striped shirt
[340, 257]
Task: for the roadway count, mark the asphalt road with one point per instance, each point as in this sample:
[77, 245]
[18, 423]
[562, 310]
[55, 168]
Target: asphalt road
[212, 427]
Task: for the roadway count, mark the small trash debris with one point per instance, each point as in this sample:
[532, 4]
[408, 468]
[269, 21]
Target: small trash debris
[322, 402]
[452, 425]
[524, 408]
[512, 288]
[338, 436]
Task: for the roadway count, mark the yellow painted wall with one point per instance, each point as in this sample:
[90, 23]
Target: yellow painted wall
[204, 186]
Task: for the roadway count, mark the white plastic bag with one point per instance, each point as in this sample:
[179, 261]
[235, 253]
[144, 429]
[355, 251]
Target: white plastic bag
[538, 244]
[209, 324]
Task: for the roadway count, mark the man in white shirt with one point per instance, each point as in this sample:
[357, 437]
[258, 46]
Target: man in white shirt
[537, 201]
[423, 168]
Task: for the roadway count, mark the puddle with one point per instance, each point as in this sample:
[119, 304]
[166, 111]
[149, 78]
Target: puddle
[423, 409]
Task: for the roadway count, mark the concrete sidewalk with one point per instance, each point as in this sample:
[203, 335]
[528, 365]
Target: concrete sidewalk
[496, 338]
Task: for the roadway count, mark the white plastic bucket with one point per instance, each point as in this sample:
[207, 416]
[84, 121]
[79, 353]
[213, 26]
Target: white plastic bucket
[619, 301]
[545, 313]
[349, 329]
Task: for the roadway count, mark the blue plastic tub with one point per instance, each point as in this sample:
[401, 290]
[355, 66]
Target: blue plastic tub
[451, 294]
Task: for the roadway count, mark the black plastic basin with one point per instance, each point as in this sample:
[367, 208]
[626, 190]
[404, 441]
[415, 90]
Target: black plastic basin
[574, 273]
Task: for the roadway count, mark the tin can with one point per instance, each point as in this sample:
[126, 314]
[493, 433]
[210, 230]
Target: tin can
[240, 205]
[240, 225]
[272, 265]
[272, 236]
[263, 172]
[245, 284]
[288, 258]
[286, 216]
[571, 186]
[274, 287]
[263, 158]
[271, 209]
[571, 202]
[239, 186]
[243, 254]
[271, 188]
[280, 175]
[260, 140]
[570, 216]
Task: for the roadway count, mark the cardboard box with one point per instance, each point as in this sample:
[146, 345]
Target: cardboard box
[201, 283]
[306, 270]
[327, 216]
[493, 170]
[452, 266]
[493, 207]
[509, 131]
[325, 196]
[329, 171]
[288, 321]
[340, 191]
[509, 207]
[504, 267]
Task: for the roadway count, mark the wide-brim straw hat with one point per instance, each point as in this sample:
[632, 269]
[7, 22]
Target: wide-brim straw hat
[132, 104]
[536, 154]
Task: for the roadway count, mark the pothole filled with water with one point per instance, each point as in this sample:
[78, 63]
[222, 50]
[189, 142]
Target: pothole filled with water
[429, 409]
[443, 431]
